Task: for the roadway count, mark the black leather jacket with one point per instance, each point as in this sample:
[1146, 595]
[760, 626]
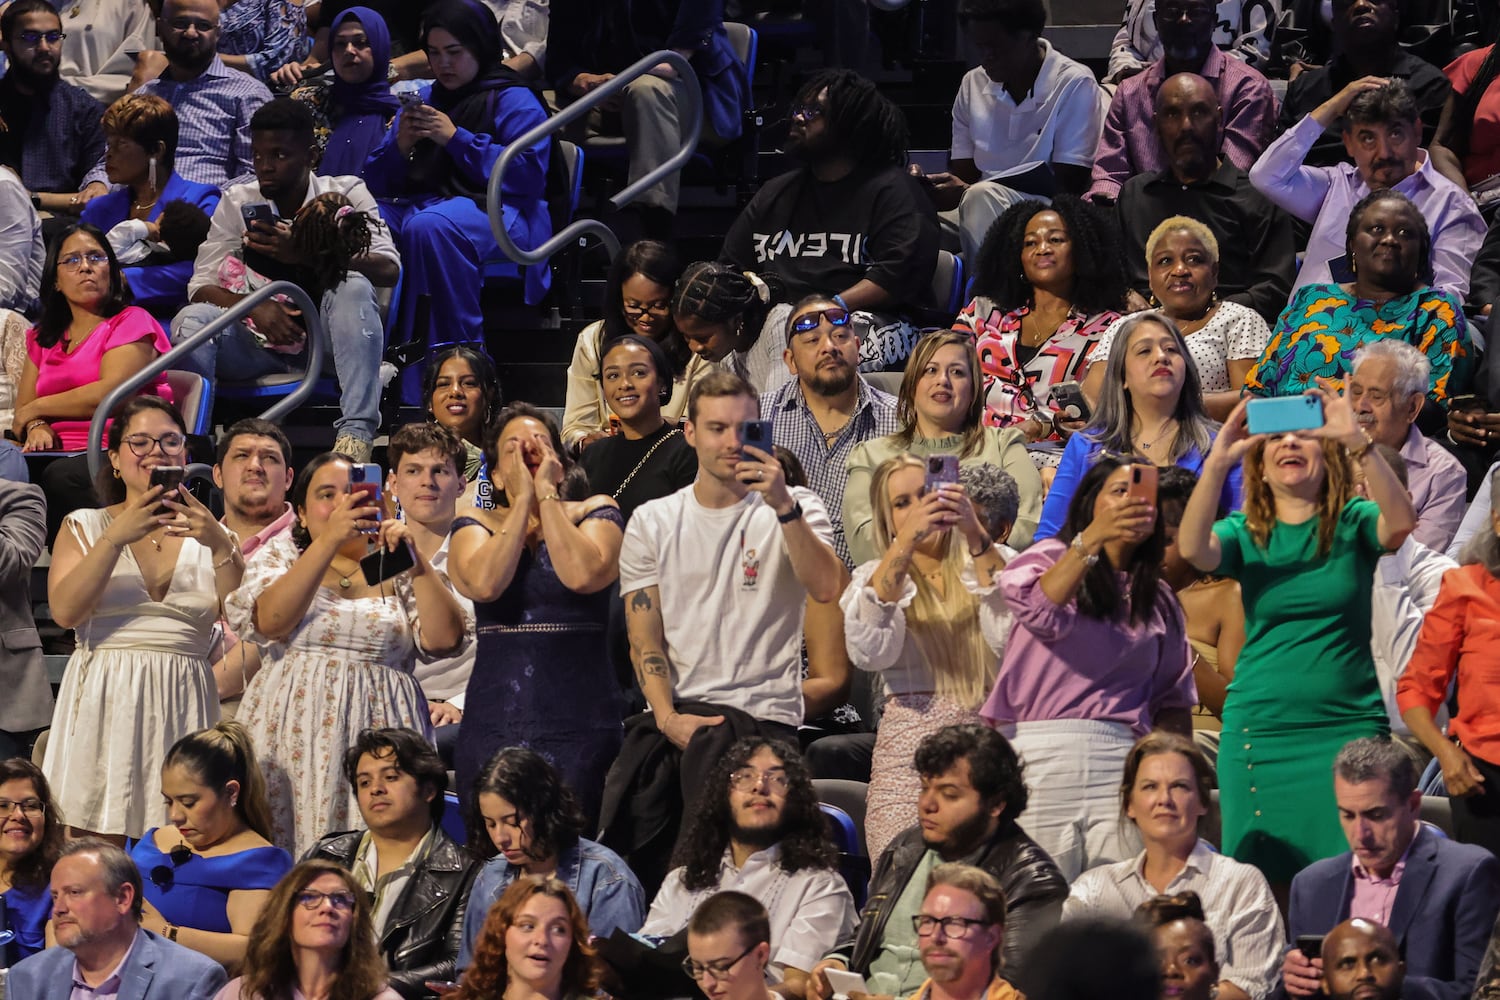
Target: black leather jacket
[1034, 893]
[426, 926]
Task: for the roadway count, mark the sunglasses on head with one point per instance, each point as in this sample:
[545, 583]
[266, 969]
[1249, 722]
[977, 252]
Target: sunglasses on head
[810, 321]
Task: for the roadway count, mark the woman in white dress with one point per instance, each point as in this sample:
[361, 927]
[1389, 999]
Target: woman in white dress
[340, 651]
[141, 581]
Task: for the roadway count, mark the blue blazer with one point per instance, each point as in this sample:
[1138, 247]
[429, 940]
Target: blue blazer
[157, 969]
[1442, 918]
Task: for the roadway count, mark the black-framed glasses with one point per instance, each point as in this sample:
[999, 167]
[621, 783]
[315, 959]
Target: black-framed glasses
[164, 877]
[170, 443]
[73, 261]
[28, 807]
[748, 780]
[717, 971]
[633, 308]
[805, 112]
[808, 322]
[34, 38]
[311, 899]
[956, 928]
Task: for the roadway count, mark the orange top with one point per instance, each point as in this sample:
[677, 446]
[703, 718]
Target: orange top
[1461, 634]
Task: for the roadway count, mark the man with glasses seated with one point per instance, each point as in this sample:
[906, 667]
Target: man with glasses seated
[213, 102]
[758, 829]
[960, 929]
[102, 950]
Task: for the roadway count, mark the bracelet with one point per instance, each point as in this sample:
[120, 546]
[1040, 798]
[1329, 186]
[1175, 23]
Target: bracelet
[227, 559]
[171, 932]
[550, 496]
[1077, 546]
[792, 515]
[32, 423]
[1356, 454]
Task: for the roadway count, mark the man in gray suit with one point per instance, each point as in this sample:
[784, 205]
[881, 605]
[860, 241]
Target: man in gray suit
[101, 948]
[26, 708]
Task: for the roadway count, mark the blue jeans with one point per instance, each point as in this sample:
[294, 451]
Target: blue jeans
[356, 339]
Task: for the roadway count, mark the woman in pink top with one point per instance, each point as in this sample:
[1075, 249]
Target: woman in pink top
[1098, 658]
[89, 339]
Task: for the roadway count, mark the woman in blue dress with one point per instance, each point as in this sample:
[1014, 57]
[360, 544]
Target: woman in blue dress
[207, 875]
[31, 838]
[538, 569]
[432, 172]
[353, 106]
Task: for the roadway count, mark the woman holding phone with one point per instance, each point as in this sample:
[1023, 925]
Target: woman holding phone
[342, 646]
[141, 580]
[1304, 550]
[929, 617]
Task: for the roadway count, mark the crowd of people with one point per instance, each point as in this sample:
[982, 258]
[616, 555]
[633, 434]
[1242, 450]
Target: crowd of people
[1168, 562]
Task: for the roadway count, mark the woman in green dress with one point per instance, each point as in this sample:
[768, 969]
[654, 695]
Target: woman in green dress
[1304, 550]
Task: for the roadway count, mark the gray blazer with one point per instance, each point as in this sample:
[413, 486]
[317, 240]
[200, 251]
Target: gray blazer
[27, 704]
[157, 969]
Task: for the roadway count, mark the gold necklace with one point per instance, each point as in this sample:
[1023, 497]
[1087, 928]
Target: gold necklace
[344, 582]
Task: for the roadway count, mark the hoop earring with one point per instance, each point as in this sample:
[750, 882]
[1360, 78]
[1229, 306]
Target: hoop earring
[116, 471]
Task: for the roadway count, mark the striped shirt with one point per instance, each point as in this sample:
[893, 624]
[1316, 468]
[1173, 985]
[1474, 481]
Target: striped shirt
[213, 111]
[1237, 901]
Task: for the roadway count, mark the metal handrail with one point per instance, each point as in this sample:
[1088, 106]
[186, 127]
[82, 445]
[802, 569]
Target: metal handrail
[690, 120]
[235, 313]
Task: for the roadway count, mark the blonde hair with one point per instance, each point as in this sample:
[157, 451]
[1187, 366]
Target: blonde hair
[1333, 495]
[944, 627]
[1186, 224]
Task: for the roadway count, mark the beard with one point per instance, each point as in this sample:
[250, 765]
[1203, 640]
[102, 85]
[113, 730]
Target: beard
[963, 838]
[30, 79]
[831, 381]
[759, 837]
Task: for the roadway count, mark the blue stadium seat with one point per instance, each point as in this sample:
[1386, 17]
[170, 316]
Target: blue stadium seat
[453, 819]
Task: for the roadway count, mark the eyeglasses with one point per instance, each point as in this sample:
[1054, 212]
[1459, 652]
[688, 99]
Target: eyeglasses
[746, 780]
[1190, 12]
[170, 443]
[163, 877]
[28, 807]
[37, 37]
[634, 308]
[73, 261]
[956, 928]
[810, 321]
[806, 112]
[311, 899]
[717, 971]
[199, 24]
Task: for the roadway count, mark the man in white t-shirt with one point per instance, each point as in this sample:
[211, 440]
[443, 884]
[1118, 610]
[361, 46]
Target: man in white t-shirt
[1025, 111]
[715, 578]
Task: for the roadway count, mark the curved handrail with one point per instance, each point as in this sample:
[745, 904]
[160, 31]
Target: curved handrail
[690, 123]
[315, 351]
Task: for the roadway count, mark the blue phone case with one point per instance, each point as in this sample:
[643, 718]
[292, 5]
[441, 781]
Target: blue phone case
[1281, 414]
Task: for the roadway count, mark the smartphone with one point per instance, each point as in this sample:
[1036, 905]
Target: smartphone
[410, 99]
[1069, 399]
[1280, 414]
[1465, 402]
[757, 434]
[383, 564]
[366, 479]
[259, 211]
[1143, 479]
[170, 477]
[941, 470]
[845, 983]
[1311, 945]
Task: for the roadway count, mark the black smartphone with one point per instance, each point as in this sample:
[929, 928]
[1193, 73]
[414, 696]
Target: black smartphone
[1467, 401]
[1311, 945]
[757, 434]
[168, 476]
[259, 211]
[1068, 397]
[383, 564]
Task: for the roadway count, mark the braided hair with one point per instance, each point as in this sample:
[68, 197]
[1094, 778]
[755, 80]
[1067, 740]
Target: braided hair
[329, 232]
[718, 293]
[862, 121]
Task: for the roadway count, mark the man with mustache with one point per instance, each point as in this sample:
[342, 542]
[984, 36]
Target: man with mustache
[1382, 133]
[960, 929]
[1257, 255]
[49, 129]
[1361, 961]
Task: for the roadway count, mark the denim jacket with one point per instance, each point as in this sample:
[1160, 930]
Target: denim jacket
[605, 887]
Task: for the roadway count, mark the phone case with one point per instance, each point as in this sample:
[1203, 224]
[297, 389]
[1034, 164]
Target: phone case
[1281, 414]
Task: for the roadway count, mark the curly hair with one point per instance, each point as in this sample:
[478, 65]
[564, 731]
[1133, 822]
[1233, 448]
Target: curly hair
[995, 770]
[1101, 595]
[575, 482]
[411, 753]
[489, 972]
[221, 754]
[1336, 490]
[804, 835]
[862, 122]
[35, 869]
[530, 783]
[269, 966]
[330, 233]
[1098, 274]
[1424, 245]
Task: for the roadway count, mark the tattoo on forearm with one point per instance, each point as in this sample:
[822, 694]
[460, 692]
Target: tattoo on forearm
[640, 601]
[654, 665]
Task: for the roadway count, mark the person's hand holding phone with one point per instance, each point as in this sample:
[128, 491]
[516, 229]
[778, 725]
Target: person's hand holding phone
[190, 519]
[1302, 976]
[929, 515]
[1339, 422]
[762, 474]
[1470, 423]
[1123, 519]
[1234, 438]
[352, 516]
[395, 533]
[965, 518]
[136, 519]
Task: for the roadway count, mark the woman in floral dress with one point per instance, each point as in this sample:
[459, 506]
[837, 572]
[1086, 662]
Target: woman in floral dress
[340, 651]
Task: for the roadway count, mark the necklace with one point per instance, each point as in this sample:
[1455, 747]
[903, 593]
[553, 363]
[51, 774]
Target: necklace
[141, 206]
[1161, 432]
[344, 582]
[829, 437]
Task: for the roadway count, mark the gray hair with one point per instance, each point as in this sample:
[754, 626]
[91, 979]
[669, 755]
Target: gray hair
[1377, 758]
[1484, 547]
[1413, 370]
[995, 496]
[1110, 428]
[116, 867]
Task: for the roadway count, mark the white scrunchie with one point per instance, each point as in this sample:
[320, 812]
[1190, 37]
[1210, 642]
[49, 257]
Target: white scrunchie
[762, 290]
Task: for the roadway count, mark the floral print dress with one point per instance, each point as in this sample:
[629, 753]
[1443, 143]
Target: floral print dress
[347, 666]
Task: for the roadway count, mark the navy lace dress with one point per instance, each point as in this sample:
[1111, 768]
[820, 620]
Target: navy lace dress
[543, 678]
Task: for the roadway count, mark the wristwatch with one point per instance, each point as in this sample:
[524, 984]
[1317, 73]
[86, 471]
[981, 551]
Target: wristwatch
[792, 515]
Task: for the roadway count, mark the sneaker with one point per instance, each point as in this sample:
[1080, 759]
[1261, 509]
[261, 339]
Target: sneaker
[358, 450]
